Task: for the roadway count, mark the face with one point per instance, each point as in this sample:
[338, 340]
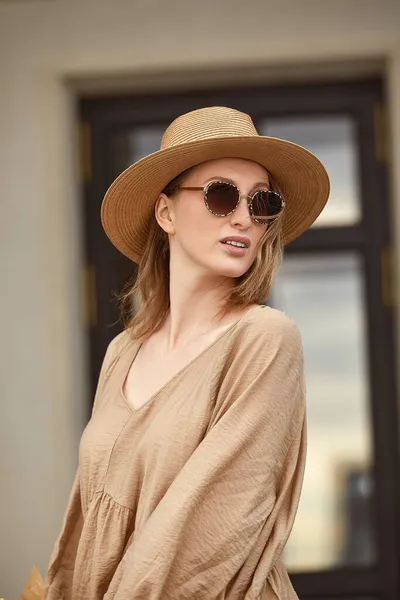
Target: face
[195, 234]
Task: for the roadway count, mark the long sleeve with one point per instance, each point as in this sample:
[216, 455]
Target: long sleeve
[61, 565]
[59, 576]
[219, 530]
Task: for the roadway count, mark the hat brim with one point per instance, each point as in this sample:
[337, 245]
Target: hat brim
[129, 202]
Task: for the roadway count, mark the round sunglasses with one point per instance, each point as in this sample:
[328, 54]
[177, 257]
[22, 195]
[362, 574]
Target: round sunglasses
[222, 198]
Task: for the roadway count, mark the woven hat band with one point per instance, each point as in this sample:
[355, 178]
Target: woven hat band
[202, 124]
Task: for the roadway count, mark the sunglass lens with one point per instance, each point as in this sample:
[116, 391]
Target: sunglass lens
[222, 198]
[266, 204]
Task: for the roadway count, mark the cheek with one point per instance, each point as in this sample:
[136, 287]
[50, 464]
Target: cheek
[258, 234]
[196, 226]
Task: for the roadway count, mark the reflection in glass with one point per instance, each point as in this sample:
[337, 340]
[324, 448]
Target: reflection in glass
[333, 140]
[131, 145]
[324, 295]
[144, 140]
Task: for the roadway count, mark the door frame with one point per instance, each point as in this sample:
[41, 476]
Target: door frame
[100, 118]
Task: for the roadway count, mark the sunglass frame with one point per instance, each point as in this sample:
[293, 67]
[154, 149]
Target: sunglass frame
[205, 189]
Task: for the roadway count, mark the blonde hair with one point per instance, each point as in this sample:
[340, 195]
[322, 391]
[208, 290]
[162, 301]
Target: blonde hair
[150, 291]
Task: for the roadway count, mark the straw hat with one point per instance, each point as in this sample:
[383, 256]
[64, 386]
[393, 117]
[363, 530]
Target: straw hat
[199, 136]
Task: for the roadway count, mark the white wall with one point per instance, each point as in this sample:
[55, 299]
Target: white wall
[43, 45]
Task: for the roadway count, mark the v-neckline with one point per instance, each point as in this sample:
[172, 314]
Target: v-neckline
[137, 347]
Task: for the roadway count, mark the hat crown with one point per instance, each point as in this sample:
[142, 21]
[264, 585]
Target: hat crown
[206, 123]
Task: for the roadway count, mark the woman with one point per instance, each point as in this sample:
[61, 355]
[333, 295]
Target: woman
[191, 466]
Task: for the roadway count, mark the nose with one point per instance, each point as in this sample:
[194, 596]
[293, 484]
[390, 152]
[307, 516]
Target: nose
[241, 216]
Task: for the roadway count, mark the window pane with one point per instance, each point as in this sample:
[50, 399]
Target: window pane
[324, 295]
[130, 145]
[333, 140]
[144, 140]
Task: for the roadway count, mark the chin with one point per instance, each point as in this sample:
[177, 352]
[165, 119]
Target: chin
[224, 266]
[232, 271]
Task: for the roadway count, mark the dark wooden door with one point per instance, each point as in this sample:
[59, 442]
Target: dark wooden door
[336, 282]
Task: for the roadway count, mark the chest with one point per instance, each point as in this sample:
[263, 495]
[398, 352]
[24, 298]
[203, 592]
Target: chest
[124, 451]
[152, 370]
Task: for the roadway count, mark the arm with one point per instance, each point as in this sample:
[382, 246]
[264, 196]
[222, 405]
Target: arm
[226, 517]
[62, 560]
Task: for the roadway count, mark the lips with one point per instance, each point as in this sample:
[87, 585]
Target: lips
[236, 238]
[234, 244]
[233, 250]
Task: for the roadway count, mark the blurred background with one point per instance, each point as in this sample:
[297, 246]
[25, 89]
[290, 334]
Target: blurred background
[86, 88]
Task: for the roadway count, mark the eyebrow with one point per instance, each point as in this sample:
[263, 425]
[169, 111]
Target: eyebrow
[229, 180]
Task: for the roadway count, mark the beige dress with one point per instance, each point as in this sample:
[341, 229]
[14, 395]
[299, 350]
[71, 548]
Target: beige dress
[193, 495]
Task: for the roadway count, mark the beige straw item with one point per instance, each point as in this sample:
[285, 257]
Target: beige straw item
[199, 136]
